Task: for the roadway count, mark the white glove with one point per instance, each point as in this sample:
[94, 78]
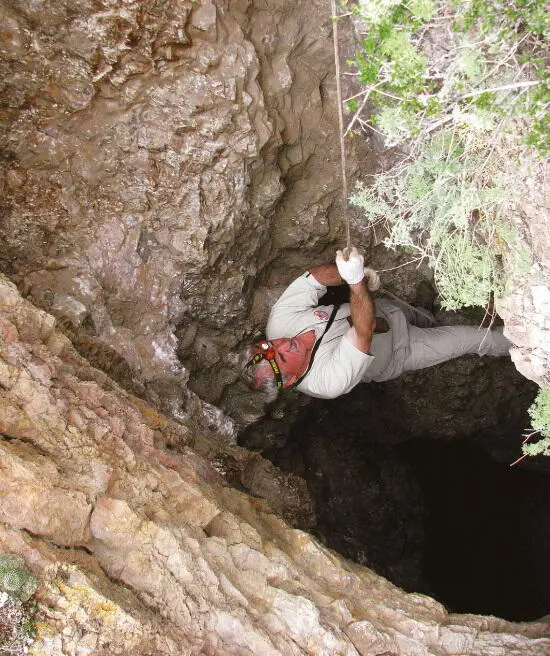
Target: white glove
[350, 269]
[372, 279]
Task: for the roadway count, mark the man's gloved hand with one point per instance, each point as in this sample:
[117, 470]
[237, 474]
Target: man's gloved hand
[372, 279]
[350, 269]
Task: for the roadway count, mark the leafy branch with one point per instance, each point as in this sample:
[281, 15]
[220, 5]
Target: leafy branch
[459, 89]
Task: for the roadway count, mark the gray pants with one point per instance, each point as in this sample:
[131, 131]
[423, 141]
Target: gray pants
[413, 342]
[430, 346]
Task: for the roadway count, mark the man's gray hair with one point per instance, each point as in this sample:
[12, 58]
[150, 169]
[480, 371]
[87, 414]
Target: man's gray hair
[240, 401]
[250, 371]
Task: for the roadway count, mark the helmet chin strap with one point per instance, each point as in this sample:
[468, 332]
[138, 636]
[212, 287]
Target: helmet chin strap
[268, 353]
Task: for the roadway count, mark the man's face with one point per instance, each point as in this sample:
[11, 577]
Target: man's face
[291, 355]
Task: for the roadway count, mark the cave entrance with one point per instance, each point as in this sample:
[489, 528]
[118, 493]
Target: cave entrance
[487, 537]
[411, 478]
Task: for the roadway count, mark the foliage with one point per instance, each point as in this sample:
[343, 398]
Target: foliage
[436, 209]
[493, 68]
[459, 86]
[540, 418]
[459, 89]
[17, 585]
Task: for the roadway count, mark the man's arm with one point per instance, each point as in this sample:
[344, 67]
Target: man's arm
[362, 316]
[350, 268]
[327, 275]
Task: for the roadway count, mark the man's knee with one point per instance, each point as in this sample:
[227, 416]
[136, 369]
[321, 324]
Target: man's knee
[494, 343]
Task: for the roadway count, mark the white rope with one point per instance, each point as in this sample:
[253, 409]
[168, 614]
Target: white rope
[340, 121]
[421, 311]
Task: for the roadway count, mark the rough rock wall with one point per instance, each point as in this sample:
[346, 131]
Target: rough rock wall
[145, 146]
[157, 156]
[141, 547]
[133, 138]
[526, 306]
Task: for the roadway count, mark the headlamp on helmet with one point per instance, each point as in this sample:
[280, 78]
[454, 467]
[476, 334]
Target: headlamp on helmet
[267, 352]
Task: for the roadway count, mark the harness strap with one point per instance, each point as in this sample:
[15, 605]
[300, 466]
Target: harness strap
[318, 343]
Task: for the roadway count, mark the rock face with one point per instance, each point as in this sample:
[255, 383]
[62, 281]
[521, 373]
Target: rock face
[136, 128]
[145, 146]
[526, 306]
[141, 547]
[158, 156]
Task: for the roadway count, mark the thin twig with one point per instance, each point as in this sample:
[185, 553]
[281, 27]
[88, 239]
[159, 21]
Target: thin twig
[528, 437]
[385, 93]
[504, 87]
[356, 115]
[399, 266]
[519, 460]
[368, 125]
[369, 90]
[438, 124]
[361, 93]
[488, 313]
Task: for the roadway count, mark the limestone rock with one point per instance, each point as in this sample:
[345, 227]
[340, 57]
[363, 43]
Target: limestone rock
[526, 305]
[152, 552]
[158, 157]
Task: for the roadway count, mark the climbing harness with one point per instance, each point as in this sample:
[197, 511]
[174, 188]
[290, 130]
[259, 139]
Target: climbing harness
[318, 343]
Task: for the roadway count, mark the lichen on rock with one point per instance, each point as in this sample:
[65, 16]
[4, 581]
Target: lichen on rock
[15, 579]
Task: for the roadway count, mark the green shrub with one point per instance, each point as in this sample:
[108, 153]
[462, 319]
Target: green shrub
[493, 67]
[462, 93]
[437, 210]
[540, 419]
[459, 89]
[15, 579]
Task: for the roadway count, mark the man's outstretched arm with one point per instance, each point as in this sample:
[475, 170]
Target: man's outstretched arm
[362, 316]
[362, 306]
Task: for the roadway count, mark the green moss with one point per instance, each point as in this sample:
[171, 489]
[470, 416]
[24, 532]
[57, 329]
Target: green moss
[15, 579]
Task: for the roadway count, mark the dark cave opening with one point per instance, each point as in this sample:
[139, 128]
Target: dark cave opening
[417, 486]
[487, 536]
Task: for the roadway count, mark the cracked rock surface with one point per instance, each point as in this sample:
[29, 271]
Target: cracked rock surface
[140, 545]
[167, 167]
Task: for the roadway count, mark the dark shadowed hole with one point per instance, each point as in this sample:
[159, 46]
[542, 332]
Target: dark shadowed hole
[487, 534]
[434, 515]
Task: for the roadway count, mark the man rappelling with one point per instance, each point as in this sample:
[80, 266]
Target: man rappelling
[326, 350]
